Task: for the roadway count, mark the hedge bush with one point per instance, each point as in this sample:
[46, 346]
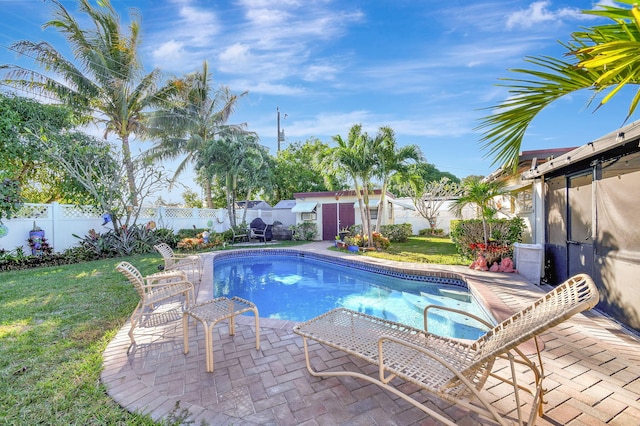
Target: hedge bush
[502, 232]
[189, 232]
[438, 232]
[397, 233]
[305, 231]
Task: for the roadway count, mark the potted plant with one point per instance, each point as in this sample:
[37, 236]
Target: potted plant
[36, 236]
[339, 243]
[343, 233]
[352, 244]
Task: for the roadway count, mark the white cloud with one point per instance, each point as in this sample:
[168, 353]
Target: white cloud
[261, 41]
[236, 53]
[176, 42]
[169, 50]
[540, 12]
[320, 72]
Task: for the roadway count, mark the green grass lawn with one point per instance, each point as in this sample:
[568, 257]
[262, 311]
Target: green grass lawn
[439, 250]
[55, 322]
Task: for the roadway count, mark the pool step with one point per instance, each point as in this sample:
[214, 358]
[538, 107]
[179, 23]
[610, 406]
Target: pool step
[460, 295]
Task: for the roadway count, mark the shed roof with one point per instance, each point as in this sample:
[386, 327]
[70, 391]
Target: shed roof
[285, 204]
[304, 207]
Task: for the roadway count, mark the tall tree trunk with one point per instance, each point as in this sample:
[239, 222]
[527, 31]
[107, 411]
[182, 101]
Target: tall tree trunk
[363, 218]
[367, 213]
[230, 202]
[131, 179]
[381, 204]
[246, 206]
[207, 193]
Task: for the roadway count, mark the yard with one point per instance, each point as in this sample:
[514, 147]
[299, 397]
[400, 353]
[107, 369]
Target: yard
[55, 322]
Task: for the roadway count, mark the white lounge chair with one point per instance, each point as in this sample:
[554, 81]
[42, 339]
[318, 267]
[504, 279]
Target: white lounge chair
[155, 289]
[173, 261]
[454, 370]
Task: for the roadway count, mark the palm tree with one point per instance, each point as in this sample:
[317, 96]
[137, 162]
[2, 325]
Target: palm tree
[353, 157]
[390, 160]
[108, 86]
[192, 119]
[257, 173]
[481, 194]
[602, 57]
[229, 157]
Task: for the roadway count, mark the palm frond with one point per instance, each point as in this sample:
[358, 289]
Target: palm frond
[602, 57]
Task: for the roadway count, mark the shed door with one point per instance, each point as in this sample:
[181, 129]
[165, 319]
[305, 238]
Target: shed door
[580, 226]
[333, 219]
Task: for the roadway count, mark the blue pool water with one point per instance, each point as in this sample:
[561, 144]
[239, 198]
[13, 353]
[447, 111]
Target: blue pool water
[299, 288]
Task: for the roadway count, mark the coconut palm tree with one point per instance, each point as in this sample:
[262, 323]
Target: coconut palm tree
[229, 157]
[601, 57]
[192, 119]
[106, 83]
[481, 194]
[391, 159]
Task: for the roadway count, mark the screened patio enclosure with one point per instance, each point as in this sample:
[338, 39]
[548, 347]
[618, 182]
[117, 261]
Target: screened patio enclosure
[592, 219]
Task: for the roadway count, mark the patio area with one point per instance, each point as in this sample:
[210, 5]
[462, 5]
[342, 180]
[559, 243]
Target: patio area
[592, 366]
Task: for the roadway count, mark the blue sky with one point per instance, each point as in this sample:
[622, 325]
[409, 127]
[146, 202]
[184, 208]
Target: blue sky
[425, 68]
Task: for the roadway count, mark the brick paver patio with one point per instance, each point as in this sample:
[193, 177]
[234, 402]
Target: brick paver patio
[592, 366]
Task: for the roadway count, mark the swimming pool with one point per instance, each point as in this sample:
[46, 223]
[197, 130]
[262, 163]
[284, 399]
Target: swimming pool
[298, 286]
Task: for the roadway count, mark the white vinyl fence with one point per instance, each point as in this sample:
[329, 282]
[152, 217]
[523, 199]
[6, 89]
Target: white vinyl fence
[443, 220]
[61, 221]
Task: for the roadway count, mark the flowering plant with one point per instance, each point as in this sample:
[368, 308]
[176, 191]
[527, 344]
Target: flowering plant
[380, 241]
[493, 251]
[199, 243]
[190, 244]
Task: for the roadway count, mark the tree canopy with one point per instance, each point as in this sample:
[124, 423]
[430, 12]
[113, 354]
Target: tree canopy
[27, 130]
[296, 171]
[105, 83]
[192, 118]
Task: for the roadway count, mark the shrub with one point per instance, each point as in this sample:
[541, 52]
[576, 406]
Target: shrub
[197, 243]
[438, 232]
[468, 236]
[95, 245]
[356, 240]
[127, 241]
[189, 232]
[305, 231]
[397, 233]
[166, 235]
[380, 241]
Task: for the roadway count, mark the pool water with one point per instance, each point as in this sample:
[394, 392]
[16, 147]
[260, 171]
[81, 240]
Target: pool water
[300, 288]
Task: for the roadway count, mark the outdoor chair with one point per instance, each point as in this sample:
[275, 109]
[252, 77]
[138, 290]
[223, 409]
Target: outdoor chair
[260, 234]
[260, 231]
[454, 370]
[155, 289]
[239, 235]
[173, 261]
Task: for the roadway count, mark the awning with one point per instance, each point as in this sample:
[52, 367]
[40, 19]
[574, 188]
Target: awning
[373, 204]
[403, 205]
[304, 207]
